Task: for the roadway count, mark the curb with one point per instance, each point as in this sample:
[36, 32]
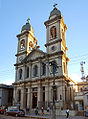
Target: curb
[36, 117]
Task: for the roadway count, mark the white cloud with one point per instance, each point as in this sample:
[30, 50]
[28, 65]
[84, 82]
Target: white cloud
[75, 77]
[7, 82]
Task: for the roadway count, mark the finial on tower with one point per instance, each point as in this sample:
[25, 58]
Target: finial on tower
[28, 20]
[55, 5]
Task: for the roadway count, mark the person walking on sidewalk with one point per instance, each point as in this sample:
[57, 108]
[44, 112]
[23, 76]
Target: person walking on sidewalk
[67, 113]
[42, 110]
[36, 111]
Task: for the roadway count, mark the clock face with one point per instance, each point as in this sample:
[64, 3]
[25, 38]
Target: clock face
[53, 48]
[21, 58]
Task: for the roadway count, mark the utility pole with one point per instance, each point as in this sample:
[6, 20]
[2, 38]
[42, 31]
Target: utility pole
[83, 79]
[82, 71]
[54, 68]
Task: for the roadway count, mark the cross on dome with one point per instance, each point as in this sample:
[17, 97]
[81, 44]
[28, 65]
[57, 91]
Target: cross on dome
[28, 20]
[55, 5]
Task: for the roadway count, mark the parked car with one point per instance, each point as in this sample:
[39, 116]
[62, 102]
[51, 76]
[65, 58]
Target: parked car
[86, 113]
[15, 112]
[2, 110]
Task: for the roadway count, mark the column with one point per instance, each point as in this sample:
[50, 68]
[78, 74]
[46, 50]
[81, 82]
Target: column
[29, 103]
[47, 68]
[39, 102]
[30, 71]
[59, 30]
[48, 37]
[23, 73]
[39, 69]
[22, 98]
[47, 95]
[58, 35]
[14, 96]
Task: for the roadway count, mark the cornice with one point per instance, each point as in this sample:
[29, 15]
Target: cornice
[38, 80]
[18, 64]
[51, 20]
[26, 32]
[37, 59]
[53, 42]
[21, 53]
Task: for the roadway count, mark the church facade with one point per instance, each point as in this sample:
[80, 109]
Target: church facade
[33, 86]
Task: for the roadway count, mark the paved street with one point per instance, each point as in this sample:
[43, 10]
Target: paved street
[41, 117]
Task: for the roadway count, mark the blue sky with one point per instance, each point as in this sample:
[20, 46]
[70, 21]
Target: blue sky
[13, 15]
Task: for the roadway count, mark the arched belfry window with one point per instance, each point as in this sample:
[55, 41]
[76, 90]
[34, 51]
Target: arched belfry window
[22, 44]
[43, 69]
[35, 70]
[27, 72]
[20, 74]
[53, 33]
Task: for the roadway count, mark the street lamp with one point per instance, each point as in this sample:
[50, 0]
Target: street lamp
[54, 68]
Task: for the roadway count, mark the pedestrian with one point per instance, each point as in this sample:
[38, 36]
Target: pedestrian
[48, 109]
[67, 113]
[42, 110]
[27, 110]
[36, 111]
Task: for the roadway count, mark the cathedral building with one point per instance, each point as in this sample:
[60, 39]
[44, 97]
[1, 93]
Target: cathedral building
[35, 76]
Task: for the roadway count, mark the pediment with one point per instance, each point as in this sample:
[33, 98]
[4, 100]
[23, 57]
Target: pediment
[35, 54]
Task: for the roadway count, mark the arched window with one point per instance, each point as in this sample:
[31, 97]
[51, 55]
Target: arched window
[53, 33]
[22, 44]
[35, 70]
[20, 74]
[43, 69]
[53, 67]
[31, 45]
[27, 72]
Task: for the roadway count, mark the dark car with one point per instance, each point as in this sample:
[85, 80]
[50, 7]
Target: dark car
[15, 112]
[86, 113]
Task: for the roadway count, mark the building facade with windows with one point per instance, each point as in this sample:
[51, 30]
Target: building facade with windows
[81, 96]
[33, 84]
[6, 95]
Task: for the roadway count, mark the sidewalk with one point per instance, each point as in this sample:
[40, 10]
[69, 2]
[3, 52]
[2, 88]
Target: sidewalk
[57, 117]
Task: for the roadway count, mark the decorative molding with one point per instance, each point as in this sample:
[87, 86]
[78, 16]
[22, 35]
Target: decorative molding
[51, 20]
[56, 41]
[21, 53]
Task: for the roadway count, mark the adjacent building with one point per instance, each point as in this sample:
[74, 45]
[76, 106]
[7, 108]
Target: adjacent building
[34, 78]
[6, 95]
[81, 96]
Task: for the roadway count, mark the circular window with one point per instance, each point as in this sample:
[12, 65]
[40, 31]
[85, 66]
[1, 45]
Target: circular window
[53, 48]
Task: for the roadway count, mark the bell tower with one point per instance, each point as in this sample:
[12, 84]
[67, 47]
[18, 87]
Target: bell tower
[56, 39]
[26, 41]
[56, 32]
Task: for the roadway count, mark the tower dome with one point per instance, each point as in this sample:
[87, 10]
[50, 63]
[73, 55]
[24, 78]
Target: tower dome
[56, 12]
[27, 27]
